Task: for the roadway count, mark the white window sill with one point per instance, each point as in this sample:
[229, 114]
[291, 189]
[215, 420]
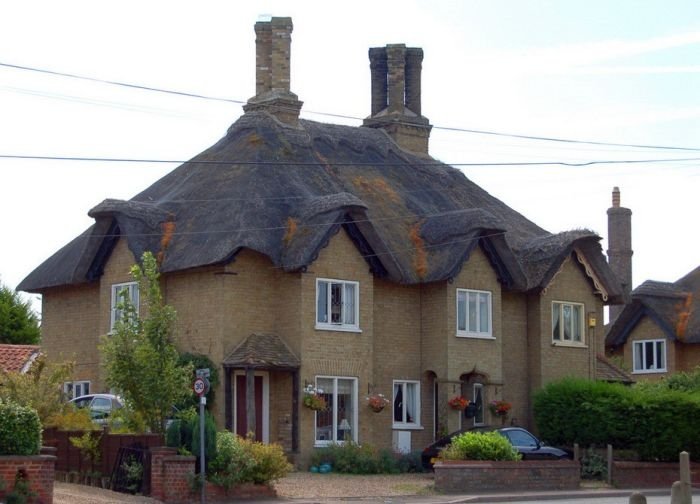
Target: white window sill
[649, 371]
[324, 444]
[568, 344]
[476, 336]
[337, 327]
[403, 426]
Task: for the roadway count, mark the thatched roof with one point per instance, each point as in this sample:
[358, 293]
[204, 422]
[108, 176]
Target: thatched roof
[284, 191]
[672, 306]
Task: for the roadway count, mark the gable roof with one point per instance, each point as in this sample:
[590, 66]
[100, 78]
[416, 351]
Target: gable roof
[262, 351]
[18, 358]
[609, 372]
[285, 190]
[673, 306]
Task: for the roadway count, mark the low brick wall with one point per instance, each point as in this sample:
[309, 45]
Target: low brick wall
[37, 469]
[487, 476]
[171, 475]
[649, 474]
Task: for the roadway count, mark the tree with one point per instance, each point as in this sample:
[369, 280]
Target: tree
[140, 357]
[40, 388]
[19, 325]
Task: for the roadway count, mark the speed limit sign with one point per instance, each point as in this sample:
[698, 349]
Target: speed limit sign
[199, 387]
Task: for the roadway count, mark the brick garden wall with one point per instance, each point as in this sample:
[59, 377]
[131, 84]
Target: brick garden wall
[487, 476]
[37, 469]
[649, 474]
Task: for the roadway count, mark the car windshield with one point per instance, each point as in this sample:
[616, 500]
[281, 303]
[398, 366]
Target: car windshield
[82, 403]
[520, 438]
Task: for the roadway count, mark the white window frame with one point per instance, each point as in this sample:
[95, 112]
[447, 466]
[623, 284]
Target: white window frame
[559, 305]
[351, 313]
[465, 332]
[115, 299]
[333, 404]
[655, 369]
[404, 424]
[70, 388]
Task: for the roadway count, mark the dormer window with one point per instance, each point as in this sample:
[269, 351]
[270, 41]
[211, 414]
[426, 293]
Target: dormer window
[337, 305]
[129, 290]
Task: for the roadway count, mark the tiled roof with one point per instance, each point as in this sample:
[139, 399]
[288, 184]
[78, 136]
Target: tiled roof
[17, 358]
[609, 372]
[262, 351]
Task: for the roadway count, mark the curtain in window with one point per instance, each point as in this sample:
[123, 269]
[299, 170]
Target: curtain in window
[471, 311]
[479, 401]
[638, 356]
[461, 311]
[349, 302]
[336, 303]
[322, 303]
[398, 402]
[484, 313]
[576, 321]
[566, 309]
[411, 393]
[556, 330]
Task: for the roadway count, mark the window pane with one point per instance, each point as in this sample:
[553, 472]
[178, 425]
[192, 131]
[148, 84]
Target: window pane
[649, 355]
[556, 329]
[398, 402]
[471, 311]
[638, 356]
[461, 311]
[324, 419]
[576, 323]
[566, 309]
[322, 303]
[484, 313]
[479, 401]
[336, 303]
[345, 414]
[349, 301]
[660, 355]
[411, 402]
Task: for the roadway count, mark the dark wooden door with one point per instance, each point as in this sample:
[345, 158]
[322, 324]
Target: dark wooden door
[241, 411]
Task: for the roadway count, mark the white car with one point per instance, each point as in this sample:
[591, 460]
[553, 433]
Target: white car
[100, 406]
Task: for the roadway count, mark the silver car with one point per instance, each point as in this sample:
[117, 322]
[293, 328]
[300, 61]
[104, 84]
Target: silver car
[100, 406]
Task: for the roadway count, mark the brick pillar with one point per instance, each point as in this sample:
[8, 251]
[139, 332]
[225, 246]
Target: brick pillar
[281, 52]
[414, 66]
[378, 70]
[396, 76]
[158, 454]
[38, 471]
[263, 59]
[620, 248]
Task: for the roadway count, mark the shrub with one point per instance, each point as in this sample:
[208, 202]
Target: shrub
[241, 460]
[652, 420]
[352, 458]
[480, 446]
[72, 419]
[209, 436]
[593, 465]
[20, 430]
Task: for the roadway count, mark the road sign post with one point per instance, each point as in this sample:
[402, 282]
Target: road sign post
[200, 387]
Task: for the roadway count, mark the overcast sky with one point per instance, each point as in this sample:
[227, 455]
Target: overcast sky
[625, 72]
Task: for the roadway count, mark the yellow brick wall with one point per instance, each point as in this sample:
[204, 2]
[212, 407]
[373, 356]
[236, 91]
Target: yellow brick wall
[515, 355]
[70, 329]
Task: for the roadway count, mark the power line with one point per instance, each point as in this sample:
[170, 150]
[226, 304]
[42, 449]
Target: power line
[305, 163]
[343, 116]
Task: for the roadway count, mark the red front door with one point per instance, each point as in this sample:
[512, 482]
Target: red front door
[241, 412]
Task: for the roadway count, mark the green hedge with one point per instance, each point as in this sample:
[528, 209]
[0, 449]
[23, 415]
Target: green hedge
[20, 430]
[480, 446]
[656, 423]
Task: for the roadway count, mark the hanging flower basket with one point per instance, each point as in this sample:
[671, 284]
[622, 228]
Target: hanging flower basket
[500, 409]
[458, 403]
[377, 402]
[313, 398]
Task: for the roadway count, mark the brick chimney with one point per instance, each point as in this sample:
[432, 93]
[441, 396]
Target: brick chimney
[396, 96]
[620, 248]
[273, 41]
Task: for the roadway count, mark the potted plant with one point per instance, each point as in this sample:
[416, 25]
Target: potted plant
[377, 402]
[500, 409]
[313, 398]
[458, 403]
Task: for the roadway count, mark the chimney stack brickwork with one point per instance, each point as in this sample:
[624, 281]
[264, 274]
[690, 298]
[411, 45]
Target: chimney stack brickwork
[620, 248]
[396, 96]
[273, 41]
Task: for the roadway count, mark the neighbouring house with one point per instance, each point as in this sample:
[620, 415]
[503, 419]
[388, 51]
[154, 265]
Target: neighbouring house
[18, 358]
[658, 332]
[301, 254]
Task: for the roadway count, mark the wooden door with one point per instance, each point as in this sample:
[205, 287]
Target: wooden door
[241, 411]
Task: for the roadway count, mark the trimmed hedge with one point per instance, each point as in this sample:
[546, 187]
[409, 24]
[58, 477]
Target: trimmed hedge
[20, 429]
[656, 423]
[480, 446]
